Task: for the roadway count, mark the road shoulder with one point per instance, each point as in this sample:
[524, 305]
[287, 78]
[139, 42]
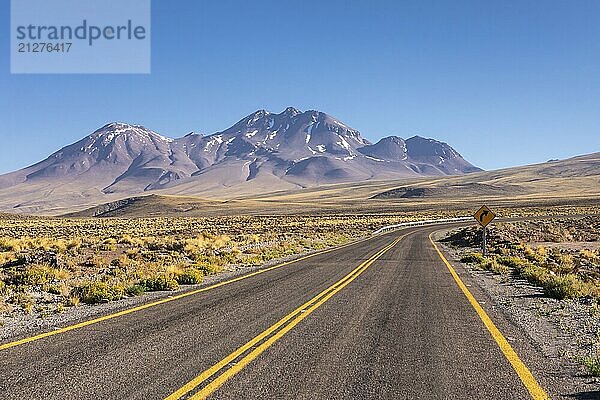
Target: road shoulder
[546, 333]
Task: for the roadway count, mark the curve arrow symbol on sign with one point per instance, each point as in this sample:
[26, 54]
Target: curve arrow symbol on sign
[483, 215]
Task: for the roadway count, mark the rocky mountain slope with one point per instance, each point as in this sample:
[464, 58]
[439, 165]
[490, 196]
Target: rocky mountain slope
[263, 152]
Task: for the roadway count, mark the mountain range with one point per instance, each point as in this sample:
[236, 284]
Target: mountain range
[262, 152]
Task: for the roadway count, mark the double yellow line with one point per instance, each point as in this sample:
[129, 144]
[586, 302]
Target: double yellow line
[256, 346]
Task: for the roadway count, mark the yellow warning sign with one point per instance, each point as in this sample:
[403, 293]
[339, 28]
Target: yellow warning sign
[484, 216]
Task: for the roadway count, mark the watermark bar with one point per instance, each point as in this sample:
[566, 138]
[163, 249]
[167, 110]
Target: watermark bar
[80, 36]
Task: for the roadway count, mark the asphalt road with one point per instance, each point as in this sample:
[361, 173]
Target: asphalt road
[402, 329]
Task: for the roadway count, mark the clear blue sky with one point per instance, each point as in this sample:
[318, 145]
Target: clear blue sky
[504, 82]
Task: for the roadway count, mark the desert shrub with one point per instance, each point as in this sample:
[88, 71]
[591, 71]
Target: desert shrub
[109, 244]
[473, 258]
[535, 275]
[496, 267]
[565, 263]
[23, 300]
[73, 301]
[151, 243]
[37, 274]
[133, 253]
[205, 242]
[126, 239]
[195, 245]
[208, 268]
[6, 257]
[2, 287]
[253, 238]
[591, 289]
[514, 262]
[10, 244]
[97, 261]
[535, 255]
[170, 244]
[73, 244]
[158, 283]
[33, 275]
[60, 289]
[60, 246]
[337, 240]
[562, 286]
[503, 251]
[172, 270]
[220, 241]
[97, 292]
[189, 276]
[135, 290]
[593, 365]
[60, 274]
[589, 255]
[4, 308]
[542, 252]
[123, 261]
[41, 243]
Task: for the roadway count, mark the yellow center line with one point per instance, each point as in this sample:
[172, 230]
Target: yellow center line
[291, 319]
[535, 390]
[163, 301]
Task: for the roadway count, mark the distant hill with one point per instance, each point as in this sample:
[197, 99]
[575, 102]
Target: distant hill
[555, 178]
[261, 153]
[571, 182]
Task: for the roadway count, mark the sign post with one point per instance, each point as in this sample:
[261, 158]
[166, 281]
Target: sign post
[484, 216]
[483, 242]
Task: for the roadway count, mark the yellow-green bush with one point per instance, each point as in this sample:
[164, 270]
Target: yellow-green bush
[535, 275]
[208, 269]
[473, 258]
[496, 267]
[33, 275]
[10, 244]
[23, 300]
[538, 255]
[135, 290]
[158, 283]
[97, 292]
[562, 286]
[590, 255]
[189, 276]
[593, 365]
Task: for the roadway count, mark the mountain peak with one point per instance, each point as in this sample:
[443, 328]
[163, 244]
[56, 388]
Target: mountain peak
[428, 149]
[119, 124]
[251, 119]
[118, 128]
[393, 139]
[387, 148]
[421, 138]
[260, 113]
[291, 111]
[115, 129]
